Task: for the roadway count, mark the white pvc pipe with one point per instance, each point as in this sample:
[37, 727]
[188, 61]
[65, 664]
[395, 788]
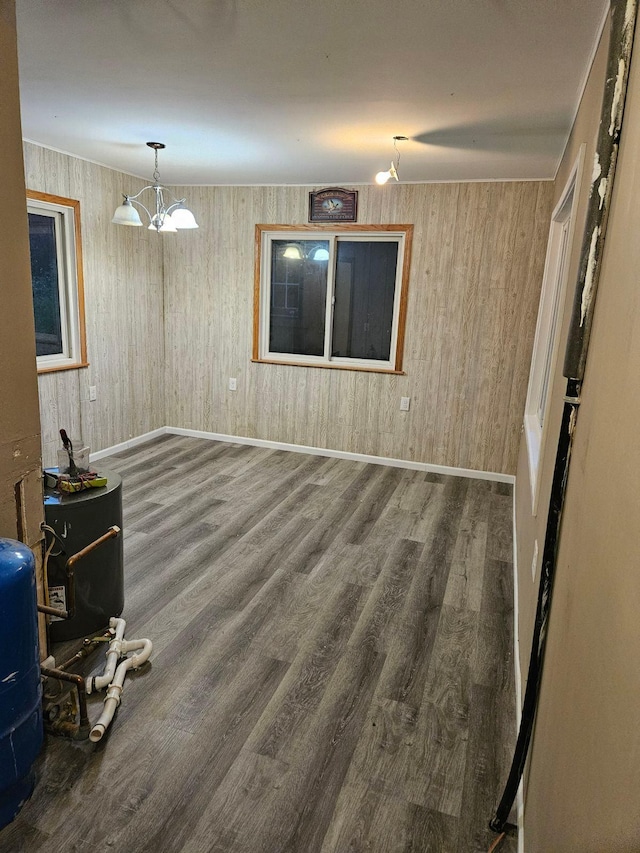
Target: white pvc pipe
[114, 654]
[115, 688]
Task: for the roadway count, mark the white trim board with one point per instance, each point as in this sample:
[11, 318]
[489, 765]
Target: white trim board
[517, 674]
[303, 448]
[132, 442]
[344, 454]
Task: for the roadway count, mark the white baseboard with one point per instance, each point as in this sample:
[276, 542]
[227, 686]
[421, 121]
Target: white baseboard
[344, 454]
[517, 673]
[125, 445]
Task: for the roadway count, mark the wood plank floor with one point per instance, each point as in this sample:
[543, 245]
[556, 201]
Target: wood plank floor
[332, 666]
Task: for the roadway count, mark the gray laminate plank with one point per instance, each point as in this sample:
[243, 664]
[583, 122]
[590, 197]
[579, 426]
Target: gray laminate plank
[301, 690]
[483, 776]
[168, 823]
[365, 821]
[373, 502]
[465, 582]
[443, 718]
[295, 612]
[409, 657]
[375, 625]
[296, 814]
[136, 512]
[325, 533]
[500, 542]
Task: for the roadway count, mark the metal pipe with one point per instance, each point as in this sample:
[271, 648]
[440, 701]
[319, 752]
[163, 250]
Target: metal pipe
[69, 730]
[88, 647]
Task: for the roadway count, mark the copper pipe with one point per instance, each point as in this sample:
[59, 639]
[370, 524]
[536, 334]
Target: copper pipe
[89, 646]
[110, 534]
[53, 611]
[82, 729]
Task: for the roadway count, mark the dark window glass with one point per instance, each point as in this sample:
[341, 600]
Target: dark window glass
[298, 296]
[364, 293]
[44, 281]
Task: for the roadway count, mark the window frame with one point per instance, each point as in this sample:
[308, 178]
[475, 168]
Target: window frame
[264, 237]
[549, 324]
[70, 280]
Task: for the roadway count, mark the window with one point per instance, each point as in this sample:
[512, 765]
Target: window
[332, 297]
[56, 281]
[545, 348]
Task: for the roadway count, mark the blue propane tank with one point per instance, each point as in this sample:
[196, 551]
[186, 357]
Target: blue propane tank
[20, 687]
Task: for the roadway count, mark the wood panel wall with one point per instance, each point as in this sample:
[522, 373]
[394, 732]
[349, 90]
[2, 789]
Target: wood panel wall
[473, 296]
[123, 282]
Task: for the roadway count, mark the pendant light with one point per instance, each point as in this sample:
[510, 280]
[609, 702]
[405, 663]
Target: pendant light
[383, 177]
[163, 217]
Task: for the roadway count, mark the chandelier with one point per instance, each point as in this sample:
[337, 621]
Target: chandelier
[163, 216]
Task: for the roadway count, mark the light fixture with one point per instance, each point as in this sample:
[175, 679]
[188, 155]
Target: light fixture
[320, 254]
[292, 252]
[165, 217]
[383, 177]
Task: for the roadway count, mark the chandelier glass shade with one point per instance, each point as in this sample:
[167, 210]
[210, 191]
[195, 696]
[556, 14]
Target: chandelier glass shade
[168, 214]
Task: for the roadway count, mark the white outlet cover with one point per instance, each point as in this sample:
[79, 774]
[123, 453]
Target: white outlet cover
[233, 384]
[405, 402]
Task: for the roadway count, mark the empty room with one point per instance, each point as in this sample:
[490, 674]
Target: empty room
[319, 517]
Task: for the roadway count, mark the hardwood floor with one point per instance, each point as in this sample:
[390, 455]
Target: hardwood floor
[332, 667]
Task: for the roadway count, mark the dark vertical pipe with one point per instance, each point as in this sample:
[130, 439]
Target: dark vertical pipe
[622, 19]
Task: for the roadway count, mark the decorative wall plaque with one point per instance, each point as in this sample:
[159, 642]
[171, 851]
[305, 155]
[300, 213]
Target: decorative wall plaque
[333, 204]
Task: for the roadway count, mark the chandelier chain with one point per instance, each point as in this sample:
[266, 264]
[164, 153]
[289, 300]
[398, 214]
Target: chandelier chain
[156, 173]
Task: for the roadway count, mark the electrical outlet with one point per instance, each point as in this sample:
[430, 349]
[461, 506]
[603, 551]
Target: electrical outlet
[405, 402]
[93, 393]
[233, 384]
[534, 562]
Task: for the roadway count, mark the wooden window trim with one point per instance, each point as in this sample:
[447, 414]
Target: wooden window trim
[333, 228]
[82, 331]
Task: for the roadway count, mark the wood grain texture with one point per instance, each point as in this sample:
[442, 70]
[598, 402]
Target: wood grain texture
[477, 260]
[123, 295]
[322, 680]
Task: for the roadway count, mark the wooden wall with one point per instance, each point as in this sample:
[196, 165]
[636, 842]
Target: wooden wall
[473, 298]
[124, 305]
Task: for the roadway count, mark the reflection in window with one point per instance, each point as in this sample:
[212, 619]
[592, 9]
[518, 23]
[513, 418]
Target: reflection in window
[364, 298]
[298, 297]
[44, 281]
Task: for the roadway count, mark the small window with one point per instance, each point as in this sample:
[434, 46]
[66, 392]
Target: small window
[547, 339]
[332, 298]
[56, 281]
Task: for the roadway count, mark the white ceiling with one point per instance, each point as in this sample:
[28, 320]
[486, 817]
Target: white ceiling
[302, 92]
